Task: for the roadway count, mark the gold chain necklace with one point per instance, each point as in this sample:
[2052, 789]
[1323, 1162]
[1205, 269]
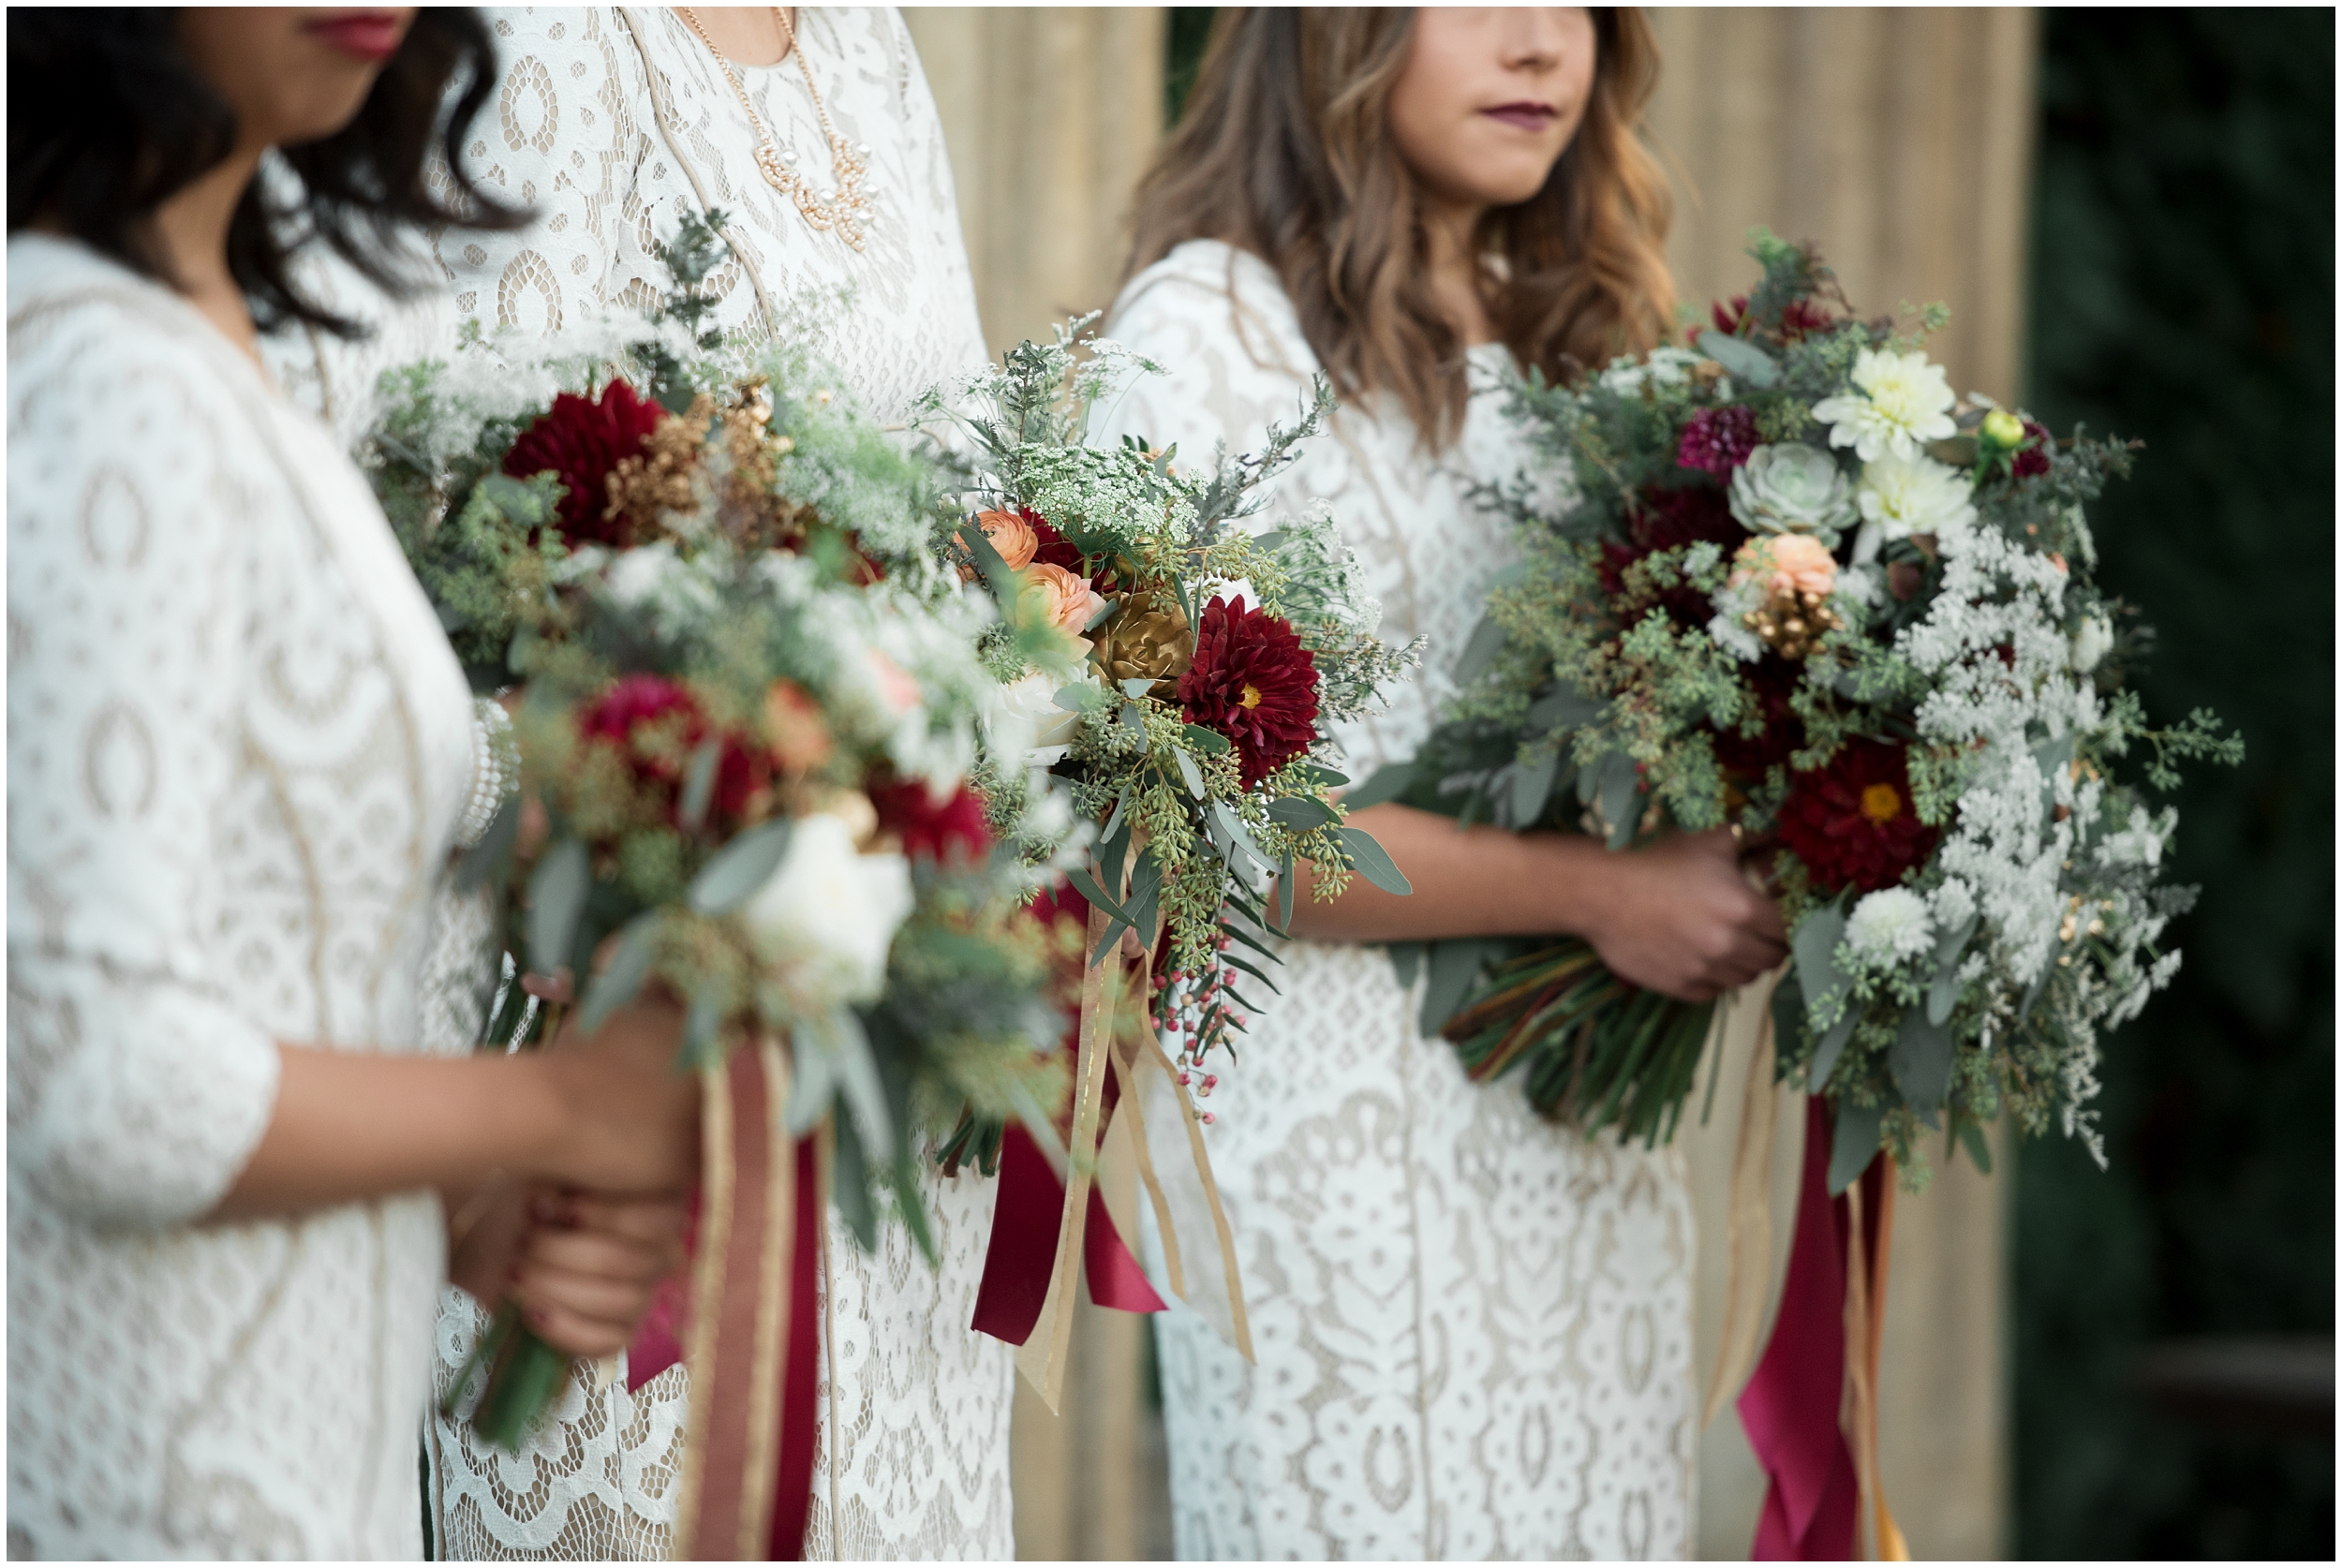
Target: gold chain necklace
[843, 210]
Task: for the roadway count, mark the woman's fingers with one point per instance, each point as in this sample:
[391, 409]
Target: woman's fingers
[573, 1332]
[619, 1302]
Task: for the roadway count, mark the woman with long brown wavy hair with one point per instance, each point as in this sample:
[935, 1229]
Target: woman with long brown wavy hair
[1473, 1326]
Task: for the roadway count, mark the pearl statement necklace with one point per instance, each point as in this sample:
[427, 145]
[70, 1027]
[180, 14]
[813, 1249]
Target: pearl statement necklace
[844, 211]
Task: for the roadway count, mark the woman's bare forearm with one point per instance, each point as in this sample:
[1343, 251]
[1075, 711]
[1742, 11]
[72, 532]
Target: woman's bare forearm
[1468, 881]
[352, 1125]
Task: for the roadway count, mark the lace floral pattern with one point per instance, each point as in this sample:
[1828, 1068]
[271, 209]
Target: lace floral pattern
[237, 745]
[613, 123]
[1473, 1329]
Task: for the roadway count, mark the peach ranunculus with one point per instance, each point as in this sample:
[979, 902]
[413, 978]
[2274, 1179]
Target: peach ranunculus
[1787, 564]
[1011, 535]
[794, 729]
[1065, 601]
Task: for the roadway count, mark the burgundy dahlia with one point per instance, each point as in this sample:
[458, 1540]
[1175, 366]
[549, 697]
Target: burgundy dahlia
[1852, 822]
[584, 440]
[1252, 682]
[1799, 318]
[1669, 519]
[1718, 441]
[2033, 458]
[949, 830]
[658, 724]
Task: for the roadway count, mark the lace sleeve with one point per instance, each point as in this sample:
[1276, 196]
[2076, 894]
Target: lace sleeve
[1233, 360]
[559, 140]
[931, 172]
[135, 1092]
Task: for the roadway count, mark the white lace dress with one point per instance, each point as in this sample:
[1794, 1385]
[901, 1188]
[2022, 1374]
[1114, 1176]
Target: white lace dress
[238, 746]
[1473, 1329]
[613, 123]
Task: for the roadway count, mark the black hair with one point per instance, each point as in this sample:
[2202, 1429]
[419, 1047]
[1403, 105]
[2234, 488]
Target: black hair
[108, 120]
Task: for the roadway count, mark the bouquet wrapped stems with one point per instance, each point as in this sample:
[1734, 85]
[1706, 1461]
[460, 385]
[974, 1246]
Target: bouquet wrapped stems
[525, 1376]
[1599, 1051]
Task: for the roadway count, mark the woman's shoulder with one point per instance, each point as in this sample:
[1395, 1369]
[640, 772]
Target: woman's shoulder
[1213, 287]
[76, 319]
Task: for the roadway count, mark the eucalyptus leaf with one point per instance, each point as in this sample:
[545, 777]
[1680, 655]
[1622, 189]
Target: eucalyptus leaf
[1827, 1049]
[734, 873]
[1943, 995]
[556, 897]
[1137, 686]
[1789, 1013]
[1980, 1148]
[1133, 719]
[1920, 1061]
[617, 983]
[1618, 798]
[1078, 698]
[1088, 887]
[699, 784]
[858, 1077]
[1479, 651]
[1299, 813]
[1532, 785]
[1741, 357]
[1325, 775]
[850, 1184]
[1285, 894]
[702, 1022]
[1406, 961]
[1189, 772]
[1454, 964]
[1854, 1145]
[1234, 826]
[1815, 946]
[996, 571]
[1211, 742]
[1390, 782]
[1373, 862]
[1564, 707]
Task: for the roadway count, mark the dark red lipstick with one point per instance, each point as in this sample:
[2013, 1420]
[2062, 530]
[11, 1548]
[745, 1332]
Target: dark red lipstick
[370, 35]
[1524, 115]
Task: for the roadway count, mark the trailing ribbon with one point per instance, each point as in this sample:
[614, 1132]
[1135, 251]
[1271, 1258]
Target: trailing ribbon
[1749, 1233]
[750, 1335]
[1049, 1228]
[1811, 1409]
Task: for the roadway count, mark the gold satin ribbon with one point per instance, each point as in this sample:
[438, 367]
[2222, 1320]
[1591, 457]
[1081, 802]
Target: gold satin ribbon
[1122, 1163]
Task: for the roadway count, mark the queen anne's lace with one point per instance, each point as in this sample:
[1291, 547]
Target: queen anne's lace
[1473, 1329]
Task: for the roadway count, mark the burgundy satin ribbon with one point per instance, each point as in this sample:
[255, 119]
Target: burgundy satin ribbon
[659, 1345]
[1791, 1406]
[1022, 1253]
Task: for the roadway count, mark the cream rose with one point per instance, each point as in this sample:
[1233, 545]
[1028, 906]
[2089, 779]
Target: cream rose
[823, 922]
[1787, 564]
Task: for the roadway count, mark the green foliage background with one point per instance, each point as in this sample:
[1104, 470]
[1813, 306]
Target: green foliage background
[2182, 293]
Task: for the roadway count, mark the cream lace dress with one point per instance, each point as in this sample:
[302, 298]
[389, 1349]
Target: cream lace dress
[613, 123]
[1473, 1329]
[238, 746]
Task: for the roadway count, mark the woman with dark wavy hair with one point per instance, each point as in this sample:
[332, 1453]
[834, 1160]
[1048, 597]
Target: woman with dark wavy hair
[1474, 1328]
[239, 748]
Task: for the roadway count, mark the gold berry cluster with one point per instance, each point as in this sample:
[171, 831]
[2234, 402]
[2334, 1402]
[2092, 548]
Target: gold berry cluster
[1791, 620]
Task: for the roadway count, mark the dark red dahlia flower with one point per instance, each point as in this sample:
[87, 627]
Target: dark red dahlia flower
[1050, 547]
[1669, 519]
[949, 831]
[1852, 822]
[1718, 441]
[584, 442]
[1799, 318]
[658, 724]
[1252, 682]
[2033, 458]
[1771, 681]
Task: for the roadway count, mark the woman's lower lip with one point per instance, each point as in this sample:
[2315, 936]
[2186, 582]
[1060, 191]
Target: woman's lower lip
[368, 37]
[1523, 119]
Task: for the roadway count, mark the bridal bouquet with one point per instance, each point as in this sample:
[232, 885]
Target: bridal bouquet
[1176, 673]
[752, 703]
[1803, 591]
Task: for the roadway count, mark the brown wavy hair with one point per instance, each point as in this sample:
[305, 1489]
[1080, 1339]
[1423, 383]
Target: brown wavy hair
[1285, 151]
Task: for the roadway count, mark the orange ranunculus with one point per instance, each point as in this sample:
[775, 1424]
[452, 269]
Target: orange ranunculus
[1787, 564]
[1066, 601]
[794, 729]
[1011, 535]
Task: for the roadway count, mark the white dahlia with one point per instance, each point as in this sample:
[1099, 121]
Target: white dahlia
[1890, 928]
[1907, 403]
[1905, 496]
